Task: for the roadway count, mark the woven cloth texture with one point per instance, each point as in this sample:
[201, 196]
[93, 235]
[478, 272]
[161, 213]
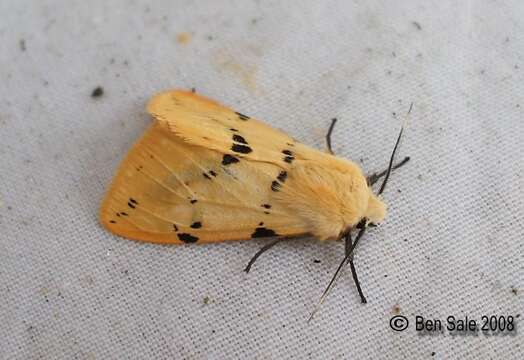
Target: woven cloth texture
[452, 243]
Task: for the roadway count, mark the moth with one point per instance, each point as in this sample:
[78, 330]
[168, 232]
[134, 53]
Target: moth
[204, 173]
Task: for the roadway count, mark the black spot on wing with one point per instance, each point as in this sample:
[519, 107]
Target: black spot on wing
[282, 176]
[193, 201]
[132, 203]
[239, 139]
[187, 238]
[233, 129]
[242, 116]
[175, 227]
[263, 232]
[229, 159]
[243, 149]
[289, 159]
[112, 221]
[276, 185]
[289, 156]
[124, 213]
[266, 206]
[209, 174]
[196, 225]
[261, 223]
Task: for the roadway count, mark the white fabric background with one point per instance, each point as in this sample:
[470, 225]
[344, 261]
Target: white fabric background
[453, 239]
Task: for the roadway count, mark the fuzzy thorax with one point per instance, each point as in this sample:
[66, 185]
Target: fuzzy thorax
[331, 197]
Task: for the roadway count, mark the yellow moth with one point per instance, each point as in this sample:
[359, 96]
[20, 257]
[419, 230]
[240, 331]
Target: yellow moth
[204, 173]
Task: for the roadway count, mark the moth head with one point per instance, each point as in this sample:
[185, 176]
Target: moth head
[376, 210]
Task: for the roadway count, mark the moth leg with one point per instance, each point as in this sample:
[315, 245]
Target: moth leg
[348, 246]
[328, 135]
[373, 178]
[262, 250]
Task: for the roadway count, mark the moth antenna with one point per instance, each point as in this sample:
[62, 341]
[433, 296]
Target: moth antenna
[407, 118]
[390, 166]
[335, 276]
[392, 158]
[328, 135]
[410, 107]
[262, 250]
[373, 178]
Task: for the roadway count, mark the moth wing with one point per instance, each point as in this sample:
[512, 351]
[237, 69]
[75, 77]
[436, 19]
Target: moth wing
[204, 122]
[171, 190]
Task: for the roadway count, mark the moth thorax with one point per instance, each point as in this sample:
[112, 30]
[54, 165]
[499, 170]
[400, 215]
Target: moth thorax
[329, 197]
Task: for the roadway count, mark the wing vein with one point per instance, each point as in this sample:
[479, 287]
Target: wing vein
[176, 176]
